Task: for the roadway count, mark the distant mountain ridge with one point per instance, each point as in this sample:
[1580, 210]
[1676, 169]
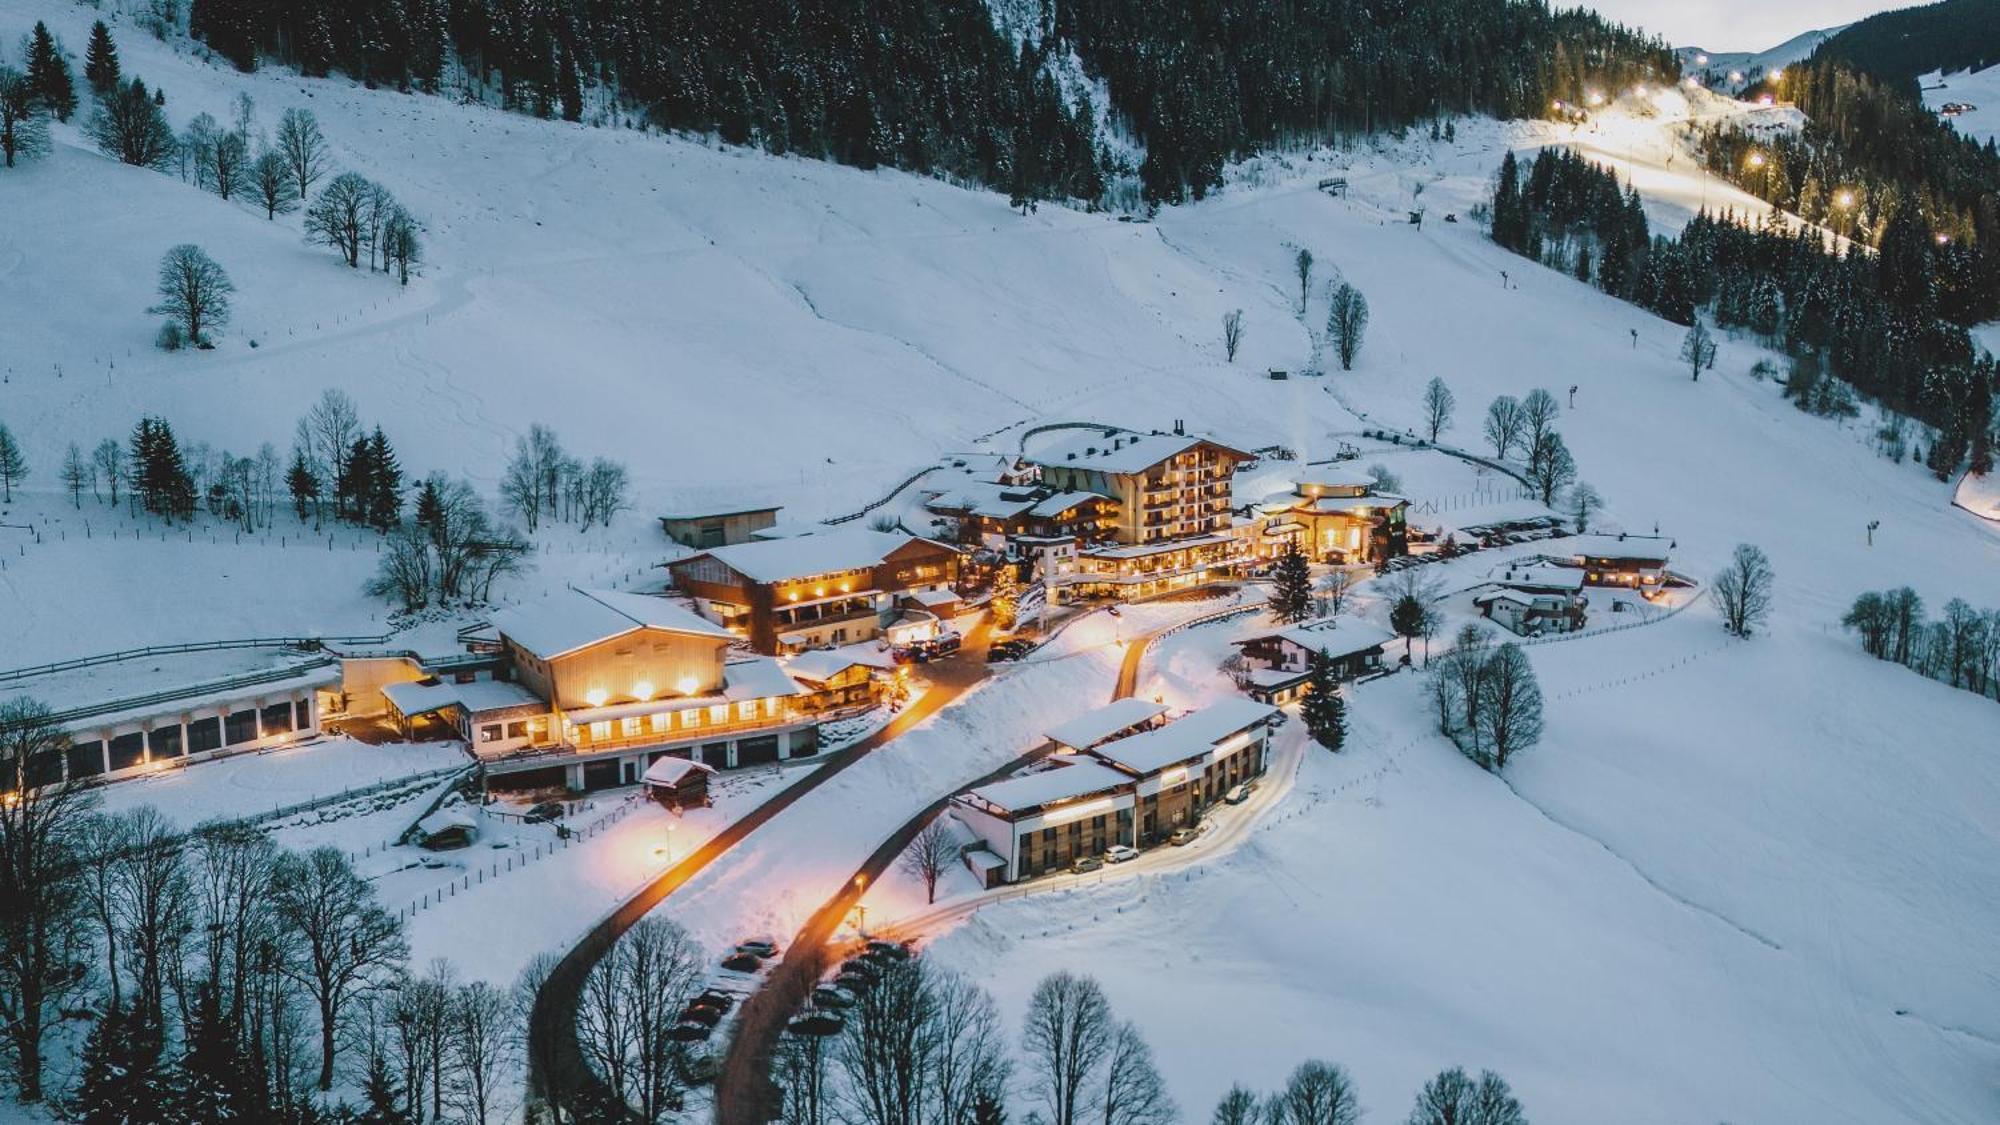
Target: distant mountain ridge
[1716, 66]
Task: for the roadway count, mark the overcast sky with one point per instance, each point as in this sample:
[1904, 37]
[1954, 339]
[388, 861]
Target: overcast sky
[1737, 25]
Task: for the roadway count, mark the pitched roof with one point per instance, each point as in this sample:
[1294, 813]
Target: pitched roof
[670, 771]
[575, 619]
[831, 550]
[1618, 546]
[1092, 727]
[1334, 636]
[1187, 737]
[822, 664]
[1078, 778]
[411, 698]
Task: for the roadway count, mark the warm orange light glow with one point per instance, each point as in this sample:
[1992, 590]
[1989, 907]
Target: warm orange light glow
[595, 697]
[643, 690]
[687, 685]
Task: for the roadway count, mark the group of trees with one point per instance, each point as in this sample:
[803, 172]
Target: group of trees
[1960, 648]
[29, 98]
[1321, 1093]
[1485, 698]
[225, 972]
[451, 551]
[1891, 323]
[1527, 425]
[542, 482]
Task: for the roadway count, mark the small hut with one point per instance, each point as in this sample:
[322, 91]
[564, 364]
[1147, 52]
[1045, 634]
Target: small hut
[678, 783]
[450, 827]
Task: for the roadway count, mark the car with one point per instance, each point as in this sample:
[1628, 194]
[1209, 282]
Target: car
[945, 645]
[1119, 853]
[1084, 864]
[758, 947]
[544, 812]
[696, 1014]
[894, 950]
[833, 996]
[1182, 836]
[1237, 795]
[854, 983]
[816, 1024]
[742, 963]
[689, 1032]
[858, 967]
[715, 998]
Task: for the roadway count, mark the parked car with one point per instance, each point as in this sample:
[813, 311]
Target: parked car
[544, 812]
[1012, 649]
[816, 1024]
[742, 963]
[689, 1032]
[894, 950]
[854, 982]
[697, 1014]
[1119, 853]
[1237, 795]
[866, 969]
[758, 947]
[715, 998]
[1085, 863]
[833, 996]
[1183, 836]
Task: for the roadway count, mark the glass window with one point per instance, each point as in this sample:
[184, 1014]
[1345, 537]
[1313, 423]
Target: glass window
[127, 750]
[302, 714]
[204, 735]
[718, 713]
[164, 742]
[490, 732]
[241, 726]
[662, 721]
[277, 719]
[86, 759]
[600, 730]
[746, 709]
[691, 717]
[628, 727]
[517, 730]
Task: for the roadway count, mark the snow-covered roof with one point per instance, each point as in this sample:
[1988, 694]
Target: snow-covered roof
[823, 664]
[723, 512]
[1334, 636]
[1058, 503]
[1062, 783]
[826, 552]
[1141, 550]
[1539, 578]
[1329, 505]
[671, 771]
[449, 819]
[576, 619]
[411, 698]
[1112, 450]
[1331, 476]
[757, 677]
[1618, 546]
[1188, 737]
[933, 598]
[1091, 727]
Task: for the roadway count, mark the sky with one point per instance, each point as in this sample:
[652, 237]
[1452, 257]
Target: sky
[1738, 25]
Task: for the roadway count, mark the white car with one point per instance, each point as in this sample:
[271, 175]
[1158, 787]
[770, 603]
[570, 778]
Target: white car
[1119, 853]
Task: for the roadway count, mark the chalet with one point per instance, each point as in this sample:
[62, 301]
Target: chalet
[1536, 599]
[1278, 663]
[1636, 562]
[451, 827]
[1333, 515]
[996, 515]
[719, 527]
[1130, 789]
[835, 680]
[626, 679]
[678, 783]
[492, 716]
[812, 591]
[1136, 571]
[1167, 486]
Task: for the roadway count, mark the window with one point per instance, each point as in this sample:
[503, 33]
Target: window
[277, 719]
[746, 709]
[86, 759]
[127, 750]
[628, 727]
[691, 717]
[490, 732]
[204, 735]
[600, 731]
[517, 730]
[662, 721]
[165, 742]
[240, 727]
[718, 713]
[302, 714]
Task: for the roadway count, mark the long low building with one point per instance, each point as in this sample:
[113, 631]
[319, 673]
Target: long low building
[1133, 790]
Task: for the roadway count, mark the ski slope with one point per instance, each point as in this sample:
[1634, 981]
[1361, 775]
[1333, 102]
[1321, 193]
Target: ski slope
[1708, 895]
[1977, 88]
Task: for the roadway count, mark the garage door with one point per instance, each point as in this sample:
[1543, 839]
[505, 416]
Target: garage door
[757, 751]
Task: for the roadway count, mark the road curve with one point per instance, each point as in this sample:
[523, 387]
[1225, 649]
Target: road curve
[744, 1094]
[557, 1072]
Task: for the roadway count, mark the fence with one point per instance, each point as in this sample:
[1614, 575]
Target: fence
[303, 644]
[247, 679]
[892, 494]
[516, 862]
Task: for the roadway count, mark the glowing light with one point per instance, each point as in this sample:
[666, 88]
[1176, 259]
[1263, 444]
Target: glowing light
[1942, 239]
[1766, 101]
[1701, 60]
[687, 685]
[1556, 105]
[1594, 98]
[595, 697]
[1080, 811]
[1173, 776]
[643, 690]
[1736, 76]
[1844, 199]
[1756, 160]
[1778, 74]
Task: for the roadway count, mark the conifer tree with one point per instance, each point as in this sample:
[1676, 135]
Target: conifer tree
[100, 60]
[24, 129]
[48, 73]
[385, 494]
[122, 1083]
[1322, 708]
[1291, 585]
[131, 127]
[303, 484]
[13, 463]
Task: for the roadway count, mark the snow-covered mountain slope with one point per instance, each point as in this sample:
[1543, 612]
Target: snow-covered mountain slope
[1717, 883]
[1752, 66]
[1979, 89]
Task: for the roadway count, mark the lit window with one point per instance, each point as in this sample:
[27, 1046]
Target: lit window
[600, 731]
[629, 726]
[747, 709]
[662, 720]
[718, 713]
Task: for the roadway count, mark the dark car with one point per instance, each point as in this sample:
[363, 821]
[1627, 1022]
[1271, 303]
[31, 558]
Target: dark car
[689, 1032]
[1011, 649]
[833, 996]
[816, 1024]
[894, 950]
[742, 963]
[697, 1014]
[544, 812]
[758, 947]
[864, 967]
[715, 998]
[854, 982]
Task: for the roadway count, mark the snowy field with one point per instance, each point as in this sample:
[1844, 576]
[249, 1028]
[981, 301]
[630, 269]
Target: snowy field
[1977, 88]
[1750, 882]
[250, 784]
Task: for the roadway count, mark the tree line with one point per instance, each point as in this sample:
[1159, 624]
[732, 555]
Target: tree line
[225, 978]
[926, 1043]
[1875, 321]
[1960, 648]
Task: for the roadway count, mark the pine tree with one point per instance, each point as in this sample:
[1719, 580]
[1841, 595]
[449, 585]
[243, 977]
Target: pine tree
[13, 463]
[430, 510]
[385, 493]
[48, 73]
[121, 1082]
[355, 483]
[383, 1094]
[1322, 708]
[100, 60]
[303, 484]
[211, 1084]
[1291, 585]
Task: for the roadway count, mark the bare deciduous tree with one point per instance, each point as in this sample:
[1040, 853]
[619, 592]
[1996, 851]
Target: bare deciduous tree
[1510, 706]
[273, 184]
[109, 460]
[1068, 1035]
[303, 148]
[1317, 1093]
[928, 856]
[1503, 424]
[1438, 405]
[1538, 417]
[1134, 1092]
[76, 474]
[1550, 467]
[347, 942]
[1743, 590]
[1232, 333]
[1346, 321]
[1584, 503]
[194, 291]
[340, 217]
[1237, 1107]
[630, 1001]
[1302, 265]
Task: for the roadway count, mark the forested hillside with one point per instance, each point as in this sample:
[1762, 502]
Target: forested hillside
[932, 86]
[1897, 46]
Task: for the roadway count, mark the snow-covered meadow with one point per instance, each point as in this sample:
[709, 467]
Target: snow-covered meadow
[1746, 881]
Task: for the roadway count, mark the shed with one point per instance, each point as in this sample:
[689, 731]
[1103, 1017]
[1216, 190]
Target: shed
[678, 783]
[451, 827]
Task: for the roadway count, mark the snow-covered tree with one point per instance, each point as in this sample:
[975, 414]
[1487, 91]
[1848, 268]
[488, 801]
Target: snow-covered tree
[24, 130]
[1698, 349]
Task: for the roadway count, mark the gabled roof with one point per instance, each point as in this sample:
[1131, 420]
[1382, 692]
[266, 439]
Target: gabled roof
[1112, 450]
[1091, 727]
[1539, 578]
[1334, 636]
[724, 512]
[1618, 546]
[671, 771]
[411, 698]
[822, 664]
[831, 550]
[1188, 737]
[576, 619]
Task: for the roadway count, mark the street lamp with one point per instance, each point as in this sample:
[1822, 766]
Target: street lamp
[860, 908]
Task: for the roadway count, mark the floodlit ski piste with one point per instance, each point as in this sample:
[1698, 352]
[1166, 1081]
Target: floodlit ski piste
[1736, 879]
